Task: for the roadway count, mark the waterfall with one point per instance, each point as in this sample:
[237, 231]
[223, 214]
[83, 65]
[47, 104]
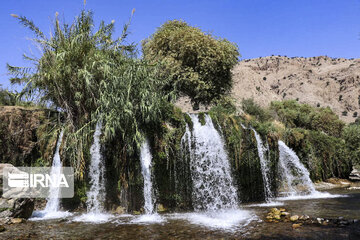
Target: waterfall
[150, 215]
[145, 157]
[96, 194]
[296, 176]
[264, 164]
[214, 196]
[52, 207]
[53, 203]
[213, 187]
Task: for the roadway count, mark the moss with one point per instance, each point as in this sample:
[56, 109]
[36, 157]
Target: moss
[202, 118]
[188, 121]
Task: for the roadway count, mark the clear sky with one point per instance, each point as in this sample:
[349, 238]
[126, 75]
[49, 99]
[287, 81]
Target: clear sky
[259, 27]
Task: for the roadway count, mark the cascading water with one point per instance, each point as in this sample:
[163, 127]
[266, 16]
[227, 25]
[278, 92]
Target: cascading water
[145, 160]
[295, 176]
[213, 186]
[145, 157]
[53, 202]
[264, 164]
[214, 196]
[293, 171]
[96, 194]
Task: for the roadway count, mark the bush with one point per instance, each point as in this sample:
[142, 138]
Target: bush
[352, 138]
[250, 107]
[198, 63]
[293, 114]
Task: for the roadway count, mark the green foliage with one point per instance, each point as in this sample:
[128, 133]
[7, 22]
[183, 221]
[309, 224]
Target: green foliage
[352, 138]
[250, 107]
[93, 77]
[198, 63]
[202, 118]
[8, 98]
[293, 114]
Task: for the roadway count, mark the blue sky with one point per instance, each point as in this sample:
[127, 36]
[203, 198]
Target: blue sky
[259, 27]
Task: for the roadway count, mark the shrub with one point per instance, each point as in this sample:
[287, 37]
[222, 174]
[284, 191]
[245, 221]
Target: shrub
[352, 138]
[293, 114]
[250, 107]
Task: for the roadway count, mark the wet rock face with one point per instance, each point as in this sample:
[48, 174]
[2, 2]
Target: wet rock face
[14, 207]
[355, 175]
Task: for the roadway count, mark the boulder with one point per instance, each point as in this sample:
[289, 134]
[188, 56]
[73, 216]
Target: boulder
[16, 220]
[120, 210]
[355, 175]
[14, 207]
[161, 208]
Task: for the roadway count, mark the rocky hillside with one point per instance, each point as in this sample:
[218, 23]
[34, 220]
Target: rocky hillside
[318, 81]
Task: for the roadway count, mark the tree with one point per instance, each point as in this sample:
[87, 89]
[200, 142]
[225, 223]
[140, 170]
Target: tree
[198, 63]
[92, 77]
[351, 135]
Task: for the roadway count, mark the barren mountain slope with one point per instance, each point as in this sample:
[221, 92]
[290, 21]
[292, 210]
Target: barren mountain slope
[318, 81]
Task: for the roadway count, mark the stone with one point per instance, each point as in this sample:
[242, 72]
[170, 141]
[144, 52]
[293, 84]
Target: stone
[120, 210]
[14, 207]
[285, 214]
[136, 212]
[304, 217]
[273, 209]
[161, 208]
[2, 228]
[23, 208]
[17, 220]
[294, 218]
[320, 220]
[277, 217]
[355, 175]
[282, 210]
[296, 225]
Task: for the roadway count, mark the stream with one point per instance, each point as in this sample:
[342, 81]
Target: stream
[245, 223]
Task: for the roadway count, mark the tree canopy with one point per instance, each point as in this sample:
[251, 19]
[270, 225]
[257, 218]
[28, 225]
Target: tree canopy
[198, 63]
[91, 77]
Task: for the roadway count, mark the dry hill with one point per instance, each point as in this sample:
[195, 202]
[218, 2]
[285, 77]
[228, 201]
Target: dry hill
[318, 81]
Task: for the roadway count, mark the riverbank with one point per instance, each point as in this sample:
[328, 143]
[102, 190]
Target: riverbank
[334, 183]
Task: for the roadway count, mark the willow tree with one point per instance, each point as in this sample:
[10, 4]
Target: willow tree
[91, 76]
[198, 63]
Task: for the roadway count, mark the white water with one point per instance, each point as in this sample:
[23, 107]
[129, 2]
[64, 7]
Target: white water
[53, 203]
[96, 194]
[229, 220]
[213, 187]
[296, 177]
[265, 168]
[52, 207]
[214, 196]
[145, 160]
